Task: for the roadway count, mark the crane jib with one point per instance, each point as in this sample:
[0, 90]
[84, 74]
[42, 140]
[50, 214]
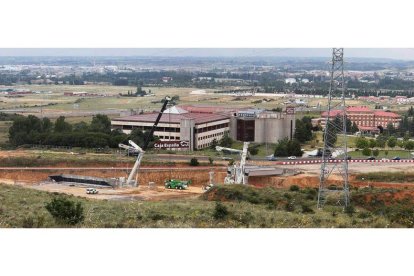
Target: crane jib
[151, 132]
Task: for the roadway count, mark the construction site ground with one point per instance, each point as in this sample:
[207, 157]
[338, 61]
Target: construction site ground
[308, 176]
[37, 177]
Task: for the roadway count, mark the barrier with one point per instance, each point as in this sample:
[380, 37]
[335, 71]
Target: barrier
[338, 161]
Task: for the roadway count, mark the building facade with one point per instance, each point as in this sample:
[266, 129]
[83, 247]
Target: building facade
[260, 126]
[201, 125]
[200, 129]
[367, 120]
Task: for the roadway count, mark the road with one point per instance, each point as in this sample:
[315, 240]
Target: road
[159, 168]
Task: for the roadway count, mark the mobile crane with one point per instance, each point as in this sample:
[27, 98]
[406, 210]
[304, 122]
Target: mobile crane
[141, 151]
[235, 174]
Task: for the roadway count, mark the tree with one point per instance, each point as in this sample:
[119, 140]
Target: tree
[254, 150]
[334, 126]
[213, 144]
[381, 140]
[348, 125]
[100, 123]
[392, 142]
[386, 153]
[194, 162]
[372, 143]
[220, 211]
[226, 140]
[409, 145]
[390, 129]
[303, 131]
[410, 111]
[366, 151]
[354, 128]
[375, 152]
[361, 143]
[65, 211]
[62, 126]
[286, 147]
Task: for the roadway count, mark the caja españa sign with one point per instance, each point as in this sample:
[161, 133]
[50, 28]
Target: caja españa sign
[172, 144]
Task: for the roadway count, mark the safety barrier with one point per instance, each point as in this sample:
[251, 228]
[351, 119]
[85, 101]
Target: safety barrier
[349, 161]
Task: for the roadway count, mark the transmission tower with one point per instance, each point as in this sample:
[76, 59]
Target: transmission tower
[334, 136]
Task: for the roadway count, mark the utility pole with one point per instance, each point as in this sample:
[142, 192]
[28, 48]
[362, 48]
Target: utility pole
[334, 136]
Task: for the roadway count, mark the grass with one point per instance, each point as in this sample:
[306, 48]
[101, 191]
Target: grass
[246, 207]
[387, 177]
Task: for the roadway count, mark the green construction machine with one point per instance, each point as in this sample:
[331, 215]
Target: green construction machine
[177, 184]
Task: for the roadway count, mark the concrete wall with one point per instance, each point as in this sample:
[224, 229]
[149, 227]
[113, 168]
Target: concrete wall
[271, 130]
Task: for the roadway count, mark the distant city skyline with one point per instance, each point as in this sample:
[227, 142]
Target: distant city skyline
[382, 53]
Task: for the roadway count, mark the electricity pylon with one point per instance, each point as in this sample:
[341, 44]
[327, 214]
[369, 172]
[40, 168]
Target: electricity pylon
[334, 136]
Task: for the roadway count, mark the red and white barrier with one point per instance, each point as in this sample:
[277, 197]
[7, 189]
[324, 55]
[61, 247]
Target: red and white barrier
[338, 160]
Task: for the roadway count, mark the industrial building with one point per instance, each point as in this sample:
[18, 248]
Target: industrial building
[201, 125]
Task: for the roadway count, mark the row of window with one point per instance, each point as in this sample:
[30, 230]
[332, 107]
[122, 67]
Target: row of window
[169, 137]
[205, 129]
[215, 135]
[146, 128]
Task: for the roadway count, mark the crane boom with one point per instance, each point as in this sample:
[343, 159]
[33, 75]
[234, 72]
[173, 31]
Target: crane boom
[151, 132]
[148, 137]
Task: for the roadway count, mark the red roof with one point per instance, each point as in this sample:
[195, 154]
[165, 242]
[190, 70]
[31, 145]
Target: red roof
[199, 118]
[386, 114]
[366, 109]
[208, 109]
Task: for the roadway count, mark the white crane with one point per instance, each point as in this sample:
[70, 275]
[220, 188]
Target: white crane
[136, 165]
[141, 151]
[236, 173]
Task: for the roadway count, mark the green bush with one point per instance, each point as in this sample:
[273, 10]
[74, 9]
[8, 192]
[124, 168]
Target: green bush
[366, 151]
[220, 211]
[306, 209]
[194, 162]
[65, 211]
[350, 210]
[290, 206]
[294, 188]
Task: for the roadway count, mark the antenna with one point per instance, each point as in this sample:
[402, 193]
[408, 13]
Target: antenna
[335, 128]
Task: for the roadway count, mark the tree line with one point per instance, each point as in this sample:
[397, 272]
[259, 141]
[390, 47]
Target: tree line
[97, 134]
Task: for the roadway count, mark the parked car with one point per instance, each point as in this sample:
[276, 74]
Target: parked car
[271, 158]
[91, 191]
[371, 158]
[292, 157]
[396, 158]
[385, 159]
[226, 158]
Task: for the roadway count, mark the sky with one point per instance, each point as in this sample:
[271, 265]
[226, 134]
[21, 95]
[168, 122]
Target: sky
[391, 53]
